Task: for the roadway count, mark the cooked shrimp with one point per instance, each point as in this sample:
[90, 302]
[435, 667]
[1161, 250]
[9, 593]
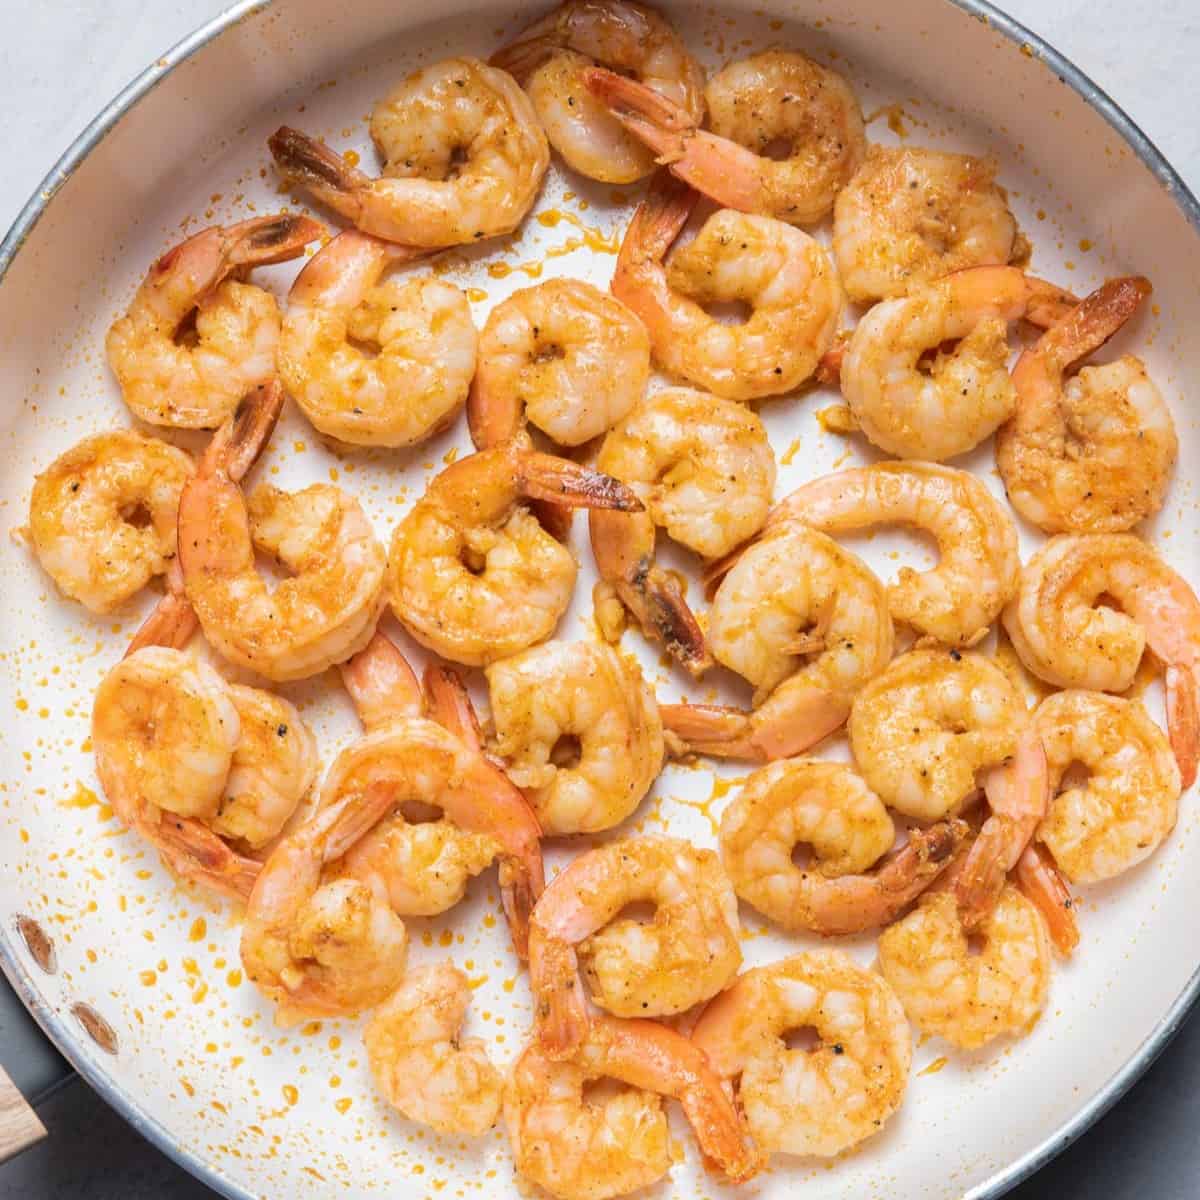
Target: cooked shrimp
[167, 378]
[165, 730]
[579, 731]
[102, 516]
[327, 607]
[784, 276]
[598, 1148]
[771, 99]
[562, 355]
[1129, 802]
[274, 764]
[317, 948]
[421, 1064]
[925, 727]
[704, 469]
[966, 393]
[1067, 628]
[463, 156]
[910, 215]
[550, 58]
[976, 574]
[805, 622]
[423, 867]
[1041, 882]
[474, 576]
[420, 332]
[685, 954]
[817, 1101]
[969, 998]
[826, 807]
[1092, 454]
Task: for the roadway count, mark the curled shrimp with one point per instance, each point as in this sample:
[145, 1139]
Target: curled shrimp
[579, 732]
[422, 1065]
[474, 576]
[977, 568]
[1092, 454]
[165, 378]
[1088, 605]
[817, 1101]
[704, 469]
[322, 948]
[804, 621]
[685, 954]
[827, 807]
[421, 868]
[325, 610]
[550, 58]
[102, 516]
[966, 393]
[932, 721]
[1129, 802]
[463, 157]
[771, 99]
[563, 356]
[784, 276]
[969, 998]
[420, 331]
[598, 1148]
[910, 215]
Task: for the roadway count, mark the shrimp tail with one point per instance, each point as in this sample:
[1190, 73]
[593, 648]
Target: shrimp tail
[524, 57]
[172, 621]
[658, 220]
[1183, 720]
[519, 892]
[274, 239]
[562, 1011]
[195, 853]
[716, 570]
[1047, 303]
[381, 683]
[339, 826]
[656, 600]
[1090, 324]
[314, 166]
[544, 477]
[450, 705]
[1042, 883]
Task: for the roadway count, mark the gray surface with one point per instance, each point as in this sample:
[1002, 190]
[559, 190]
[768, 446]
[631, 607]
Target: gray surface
[60, 61]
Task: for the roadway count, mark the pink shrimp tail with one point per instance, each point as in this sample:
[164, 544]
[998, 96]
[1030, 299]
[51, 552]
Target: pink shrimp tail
[1042, 883]
[381, 683]
[1183, 720]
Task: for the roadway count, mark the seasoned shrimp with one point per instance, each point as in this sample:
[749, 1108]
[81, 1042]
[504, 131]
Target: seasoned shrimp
[966, 393]
[1087, 607]
[1128, 804]
[910, 215]
[1092, 454]
[324, 611]
[828, 808]
[685, 954]
[562, 355]
[551, 56]
[704, 469]
[423, 867]
[421, 1064]
[474, 576]
[420, 332]
[463, 156]
[976, 574]
[932, 721]
[969, 998]
[579, 731]
[772, 99]
[782, 274]
[322, 948]
[168, 378]
[102, 516]
[805, 622]
[817, 1101]
[598, 1148]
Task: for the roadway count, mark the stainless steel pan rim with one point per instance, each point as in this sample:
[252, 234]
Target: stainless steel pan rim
[57, 1025]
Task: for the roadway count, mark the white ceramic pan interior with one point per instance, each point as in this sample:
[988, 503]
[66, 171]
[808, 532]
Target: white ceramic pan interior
[192, 1057]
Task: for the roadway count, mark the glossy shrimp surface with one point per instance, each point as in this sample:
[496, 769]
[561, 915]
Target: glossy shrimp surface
[103, 516]
[704, 469]
[817, 1101]
[551, 57]
[463, 155]
[783, 275]
[413, 376]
